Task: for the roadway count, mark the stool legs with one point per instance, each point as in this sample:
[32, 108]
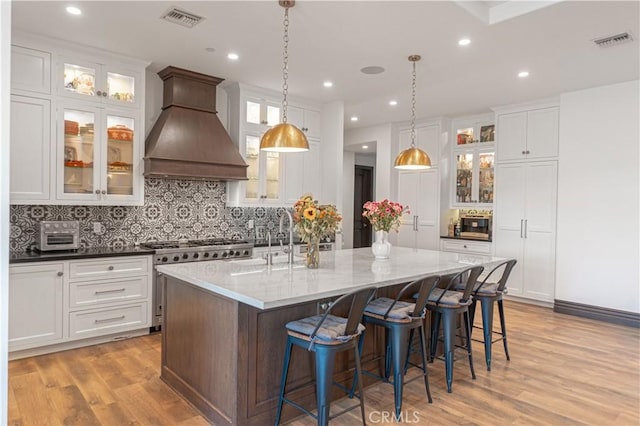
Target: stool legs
[399, 349]
[283, 380]
[424, 363]
[487, 328]
[467, 326]
[325, 360]
[504, 329]
[449, 344]
[360, 388]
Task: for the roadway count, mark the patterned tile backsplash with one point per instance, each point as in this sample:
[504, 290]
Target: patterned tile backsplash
[173, 209]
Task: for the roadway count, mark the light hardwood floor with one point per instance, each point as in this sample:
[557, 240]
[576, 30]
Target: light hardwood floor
[563, 370]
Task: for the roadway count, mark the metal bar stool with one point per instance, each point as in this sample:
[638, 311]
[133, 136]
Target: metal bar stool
[326, 335]
[487, 293]
[400, 319]
[447, 303]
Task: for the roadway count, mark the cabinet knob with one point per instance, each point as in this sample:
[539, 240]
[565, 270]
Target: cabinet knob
[97, 191]
[103, 192]
[111, 268]
[465, 246]
[524, 152]
[104, 94]
[99, 93]
[60, 274]
[528, 152]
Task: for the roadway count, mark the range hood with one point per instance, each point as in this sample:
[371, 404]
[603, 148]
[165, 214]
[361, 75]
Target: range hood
[188, 140]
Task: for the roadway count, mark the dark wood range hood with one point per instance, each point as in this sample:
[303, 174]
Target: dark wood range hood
[188, 140]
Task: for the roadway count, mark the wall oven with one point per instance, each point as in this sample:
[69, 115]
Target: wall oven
[475, 226]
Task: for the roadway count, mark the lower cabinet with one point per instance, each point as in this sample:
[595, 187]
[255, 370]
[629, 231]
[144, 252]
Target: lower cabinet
[53, 303]
[466, 247]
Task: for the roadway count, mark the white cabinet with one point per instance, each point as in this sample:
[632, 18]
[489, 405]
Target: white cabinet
[274, 179]
[419, 191]
[101, 81]
[525, 226]
[466, 246]
[302, 174]
[84, 151]
[98, 154]
[30, 70]
[54, 303]
[472, 162]
[307, 120]
[427, 139]
[36, 303]
[30, 153]
[528, 135]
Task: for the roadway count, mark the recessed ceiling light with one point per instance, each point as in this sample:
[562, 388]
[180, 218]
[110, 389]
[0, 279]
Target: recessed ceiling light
[464, 42]
[523, 74]
[365, 146]
[354, 118]
[210, 49]
[74, 10]
[233, 56]
[372, 70]
[327, 84]
[393, 103]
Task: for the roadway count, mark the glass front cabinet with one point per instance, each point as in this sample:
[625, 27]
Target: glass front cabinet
[473, 164]
[263, 173]
[96, 154]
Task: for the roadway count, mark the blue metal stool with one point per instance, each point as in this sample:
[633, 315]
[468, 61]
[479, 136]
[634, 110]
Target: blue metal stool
[400, 319]
[447, 303]
[487, 293]
[326, 335]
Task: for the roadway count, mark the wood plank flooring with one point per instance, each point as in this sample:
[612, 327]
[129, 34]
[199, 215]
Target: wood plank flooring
[563, 370]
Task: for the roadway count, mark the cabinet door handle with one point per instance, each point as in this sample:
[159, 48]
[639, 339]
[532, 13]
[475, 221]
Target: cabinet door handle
[117, 290]
[526, 222]
[60, 274]
[415, 223]
[521, 227]
[100, 321]
[111, 268]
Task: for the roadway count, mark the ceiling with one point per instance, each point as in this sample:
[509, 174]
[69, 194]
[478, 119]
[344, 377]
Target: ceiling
[334, 40]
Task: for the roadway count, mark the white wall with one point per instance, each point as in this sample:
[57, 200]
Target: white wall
[5, 69]
[598, 195]
[348, 178]
[382, 136]
[331, 146]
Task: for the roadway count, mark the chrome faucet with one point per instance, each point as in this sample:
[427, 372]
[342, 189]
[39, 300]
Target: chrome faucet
[289, 249]
[269, 255]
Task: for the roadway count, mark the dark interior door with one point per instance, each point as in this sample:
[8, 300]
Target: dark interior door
[362, 192]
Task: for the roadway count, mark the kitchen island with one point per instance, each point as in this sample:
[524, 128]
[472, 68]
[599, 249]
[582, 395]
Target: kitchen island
[224, 335]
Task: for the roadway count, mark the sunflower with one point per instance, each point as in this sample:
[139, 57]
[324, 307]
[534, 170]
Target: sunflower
[310, 213]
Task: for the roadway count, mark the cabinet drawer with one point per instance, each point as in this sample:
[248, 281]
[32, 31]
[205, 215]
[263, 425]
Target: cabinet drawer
[87, 293]
[476, 247]
[98, 322]
[111, 267]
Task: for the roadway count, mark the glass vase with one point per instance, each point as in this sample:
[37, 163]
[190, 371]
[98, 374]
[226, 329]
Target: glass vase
[313, 253]
[381, 247]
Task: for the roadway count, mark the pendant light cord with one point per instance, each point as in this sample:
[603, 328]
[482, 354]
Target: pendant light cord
[285, 68]
[413, 107]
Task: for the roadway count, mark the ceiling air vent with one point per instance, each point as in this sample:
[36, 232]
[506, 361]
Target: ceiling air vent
[181, 17]
[613, 40]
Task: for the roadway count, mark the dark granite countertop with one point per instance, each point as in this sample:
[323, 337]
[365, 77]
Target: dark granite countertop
[83, 253]
[465, 238]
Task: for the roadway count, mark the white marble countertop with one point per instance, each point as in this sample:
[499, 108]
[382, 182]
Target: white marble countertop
[254, 283]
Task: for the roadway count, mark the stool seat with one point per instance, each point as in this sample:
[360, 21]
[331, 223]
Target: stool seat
[331, 330]
[400, 311]
[448, 297]
[481, 287]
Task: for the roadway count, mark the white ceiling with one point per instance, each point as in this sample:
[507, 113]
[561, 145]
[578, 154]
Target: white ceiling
[334, 40]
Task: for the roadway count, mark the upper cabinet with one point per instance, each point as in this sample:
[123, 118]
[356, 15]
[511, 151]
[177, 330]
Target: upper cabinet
[530, 134]
[274, 179]
[81, 121]
[427, 139]
[108, 83]
[473, 156]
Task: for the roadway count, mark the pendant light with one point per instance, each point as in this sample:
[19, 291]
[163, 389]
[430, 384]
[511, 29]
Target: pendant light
[285, 137]
[413, 158]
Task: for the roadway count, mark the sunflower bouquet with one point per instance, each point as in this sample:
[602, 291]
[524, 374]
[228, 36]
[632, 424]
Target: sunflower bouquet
[314, 221]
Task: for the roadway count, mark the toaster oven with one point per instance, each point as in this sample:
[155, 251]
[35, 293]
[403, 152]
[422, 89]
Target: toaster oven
[58, 235]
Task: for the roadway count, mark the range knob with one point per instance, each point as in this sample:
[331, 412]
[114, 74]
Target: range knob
[176, 258]
[237, 253]
[246, 253]
[196, 255]
[206, 255]
[224, 254]
[185, 256]
[164, 259]
[215, 255]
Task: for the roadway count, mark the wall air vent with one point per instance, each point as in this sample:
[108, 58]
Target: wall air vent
[181, 17]
[613, 40]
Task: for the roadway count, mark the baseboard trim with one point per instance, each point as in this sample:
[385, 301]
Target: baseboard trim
[614, 316]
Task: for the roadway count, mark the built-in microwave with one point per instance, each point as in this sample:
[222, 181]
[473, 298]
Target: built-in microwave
[475, 226]
[58, 235]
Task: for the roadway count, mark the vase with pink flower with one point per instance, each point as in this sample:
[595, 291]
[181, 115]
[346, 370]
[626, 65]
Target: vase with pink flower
[384, 216]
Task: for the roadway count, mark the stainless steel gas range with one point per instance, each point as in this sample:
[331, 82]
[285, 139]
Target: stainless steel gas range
[167, 252]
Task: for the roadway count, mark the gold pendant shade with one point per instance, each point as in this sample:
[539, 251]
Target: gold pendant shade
[412, 158]
[284, 137]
